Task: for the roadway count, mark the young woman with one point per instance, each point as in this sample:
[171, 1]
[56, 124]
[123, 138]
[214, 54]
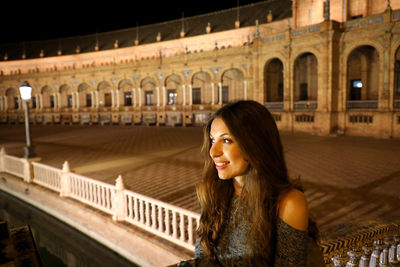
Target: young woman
[252, 213]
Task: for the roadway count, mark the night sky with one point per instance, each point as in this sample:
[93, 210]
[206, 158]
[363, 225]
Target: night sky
[36, 20]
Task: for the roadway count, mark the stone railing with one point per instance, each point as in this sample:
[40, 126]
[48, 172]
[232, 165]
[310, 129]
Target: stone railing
[362, 104]
[167, 221]
[273, 105]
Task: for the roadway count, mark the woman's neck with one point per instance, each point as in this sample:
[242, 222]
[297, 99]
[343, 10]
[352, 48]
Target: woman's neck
[238, 184]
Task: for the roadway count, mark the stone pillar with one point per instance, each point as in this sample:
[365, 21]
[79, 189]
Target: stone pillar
[73, 100]
[158, 96]
[58, 100]
[5, 103]
[97, 98]
[164, 96]
[140, 97]
[134, 97]
[184, 94]
[190, 94]
[220, 93]
[212, 94]
[77, 99]
[119, 201]
[65, 180]
[118, 98]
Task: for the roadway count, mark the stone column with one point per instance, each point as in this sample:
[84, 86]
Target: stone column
[190, 94]
[118, 99]
[41, 101]
[134, 97]
[97, 98]
[164, 96]
[158, 96]
[140, 97]
[212, 94]
[220, 93]
[184, 94]
[77, 100]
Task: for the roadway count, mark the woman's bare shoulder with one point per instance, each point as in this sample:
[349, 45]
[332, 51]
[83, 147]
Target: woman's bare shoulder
[293, 209]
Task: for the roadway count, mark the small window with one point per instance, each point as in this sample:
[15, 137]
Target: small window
[107, 100]
[225, 94]
[51, 101]
[88, 100]
[196, 96]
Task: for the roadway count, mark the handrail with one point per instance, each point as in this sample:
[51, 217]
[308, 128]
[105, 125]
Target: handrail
[14, 166]
[47, 176]
[167, 221]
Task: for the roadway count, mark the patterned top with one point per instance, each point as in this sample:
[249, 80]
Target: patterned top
[292, 248]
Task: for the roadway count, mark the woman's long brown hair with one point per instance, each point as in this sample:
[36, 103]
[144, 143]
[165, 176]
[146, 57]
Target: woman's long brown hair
[255, 131]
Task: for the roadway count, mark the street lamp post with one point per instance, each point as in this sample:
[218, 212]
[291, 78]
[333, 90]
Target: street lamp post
[26, 92]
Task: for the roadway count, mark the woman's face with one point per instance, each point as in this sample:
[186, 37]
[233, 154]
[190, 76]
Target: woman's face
[225, 152]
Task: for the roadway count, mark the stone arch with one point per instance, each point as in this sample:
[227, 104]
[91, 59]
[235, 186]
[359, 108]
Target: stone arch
[201, 88]
[305, 80]
[149, 95]
[12, 98]
[363, 71]
[173, 87]
[232, 85]
[273, 80]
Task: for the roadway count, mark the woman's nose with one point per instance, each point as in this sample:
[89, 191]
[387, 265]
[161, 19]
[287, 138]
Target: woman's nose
[215, 150]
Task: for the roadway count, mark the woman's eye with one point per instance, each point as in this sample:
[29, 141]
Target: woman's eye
[227, 141]
[212, 141]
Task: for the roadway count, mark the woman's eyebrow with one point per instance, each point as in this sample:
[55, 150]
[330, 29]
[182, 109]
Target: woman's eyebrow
[220, 135]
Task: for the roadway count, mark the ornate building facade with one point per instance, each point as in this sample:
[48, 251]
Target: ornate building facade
[322, 67]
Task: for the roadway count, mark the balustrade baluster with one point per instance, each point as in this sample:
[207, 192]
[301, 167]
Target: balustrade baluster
[153, 216]
[167, 222]
[174, 225]
[147, 214]
[130, 215]
[135, 210]
[190, 230]
[141, 211]
[160, 220]
[182, 227]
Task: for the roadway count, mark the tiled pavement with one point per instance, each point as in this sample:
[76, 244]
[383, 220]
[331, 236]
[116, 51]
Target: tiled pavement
[346, 179]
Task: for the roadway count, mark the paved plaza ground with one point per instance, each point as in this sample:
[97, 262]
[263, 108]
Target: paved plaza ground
[347, 179]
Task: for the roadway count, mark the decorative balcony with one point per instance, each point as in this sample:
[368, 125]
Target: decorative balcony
[362, 104]
[305, 105]
[274, 105]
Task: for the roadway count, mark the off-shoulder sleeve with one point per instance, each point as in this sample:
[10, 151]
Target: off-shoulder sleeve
[291, 247]
[198, 251]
